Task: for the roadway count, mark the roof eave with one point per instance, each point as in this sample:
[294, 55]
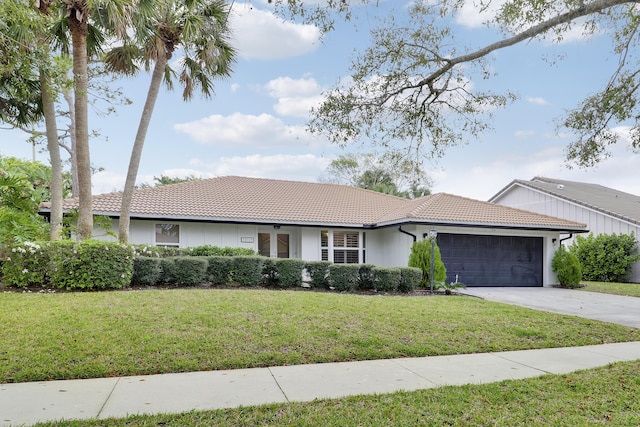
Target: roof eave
[504, 190]
[436, 222]
[229, 220]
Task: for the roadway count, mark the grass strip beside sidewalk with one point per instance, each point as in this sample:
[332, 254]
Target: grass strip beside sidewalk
[102, 334]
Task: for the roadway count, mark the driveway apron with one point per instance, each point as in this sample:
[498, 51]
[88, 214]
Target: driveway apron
[591, 305]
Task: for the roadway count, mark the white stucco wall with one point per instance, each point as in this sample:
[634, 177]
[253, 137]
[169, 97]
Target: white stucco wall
[597, 222]
[386, 247]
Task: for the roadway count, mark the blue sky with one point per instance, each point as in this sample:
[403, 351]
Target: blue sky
[254, 125]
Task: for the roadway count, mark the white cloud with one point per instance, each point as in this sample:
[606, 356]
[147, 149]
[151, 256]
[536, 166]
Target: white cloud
[107, 182]
[524, 133]
[471, 15]
[287, 87]
[295, 97]
[245, 130]
[536, 100]
[258, 34]
[305, 167]
[483, 181]
[297, 107]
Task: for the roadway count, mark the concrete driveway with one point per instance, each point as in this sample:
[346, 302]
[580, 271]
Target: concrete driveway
[591, 305]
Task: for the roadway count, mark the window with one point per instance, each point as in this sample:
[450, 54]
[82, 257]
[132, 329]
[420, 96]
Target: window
[324, 245]
[167, 235]
[347, 247]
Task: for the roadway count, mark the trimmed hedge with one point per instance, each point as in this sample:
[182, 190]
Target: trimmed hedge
[210, 250]
[26, 264]
[219, 269]
[366, 279]
[288, 272]
[146, 271]
[410, 278]
[167, 269]
[344, 277]
[247, 270]
[386, 279]
[189, 270]
[90, 264]
[94, 264]
[318, 272]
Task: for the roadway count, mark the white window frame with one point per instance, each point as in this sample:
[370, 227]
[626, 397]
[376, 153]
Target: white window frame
[155, 234]
[331, 248]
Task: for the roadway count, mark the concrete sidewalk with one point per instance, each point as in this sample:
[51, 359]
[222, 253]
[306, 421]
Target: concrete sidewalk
[28, 403]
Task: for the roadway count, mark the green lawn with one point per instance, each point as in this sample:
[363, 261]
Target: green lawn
[627, 289]
[607, 396]
[87, 335]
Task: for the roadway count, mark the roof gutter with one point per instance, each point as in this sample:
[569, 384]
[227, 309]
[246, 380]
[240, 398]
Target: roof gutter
[415, 238]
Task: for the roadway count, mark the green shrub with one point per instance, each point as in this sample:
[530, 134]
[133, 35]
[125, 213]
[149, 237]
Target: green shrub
[344, 277]
[386, 279]
[421, 258]
[210, 250]
[606, 257]
[410, 278]
[190, 270]
[26, 264]
[318, 272]
[167, 268]
[288, 272]
[146, 271]
[366, 278]
[90, 264]
[567, 267]
[168, 251]
[270, 272]
[219, 269]
[247, 270]
[147, 251]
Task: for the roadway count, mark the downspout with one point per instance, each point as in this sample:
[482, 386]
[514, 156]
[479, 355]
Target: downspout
[566, 238]
[415, 238]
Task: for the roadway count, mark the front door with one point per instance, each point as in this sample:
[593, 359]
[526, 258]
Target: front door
[274, 244]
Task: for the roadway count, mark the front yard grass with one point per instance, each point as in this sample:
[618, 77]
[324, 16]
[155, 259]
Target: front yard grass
[607, 395]
[626, 289]
[89, 335]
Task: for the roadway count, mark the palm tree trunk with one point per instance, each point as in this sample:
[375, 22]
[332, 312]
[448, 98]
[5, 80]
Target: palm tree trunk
[136, 152]
[55, 221]
[71, 148]
[80, 66]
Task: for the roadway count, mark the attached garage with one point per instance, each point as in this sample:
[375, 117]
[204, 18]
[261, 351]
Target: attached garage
[485, 260]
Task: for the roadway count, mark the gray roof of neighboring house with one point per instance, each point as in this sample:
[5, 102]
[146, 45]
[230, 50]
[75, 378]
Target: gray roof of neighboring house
[253, 200]
[607, 200]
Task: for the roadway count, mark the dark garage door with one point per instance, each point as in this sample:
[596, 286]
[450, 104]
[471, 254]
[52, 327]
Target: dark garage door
[492, 260]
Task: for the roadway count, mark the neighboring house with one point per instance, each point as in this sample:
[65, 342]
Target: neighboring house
[482, 243]
[603, 209]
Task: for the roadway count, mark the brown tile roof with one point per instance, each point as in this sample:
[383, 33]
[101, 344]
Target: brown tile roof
[450, 209]
[253, 200]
